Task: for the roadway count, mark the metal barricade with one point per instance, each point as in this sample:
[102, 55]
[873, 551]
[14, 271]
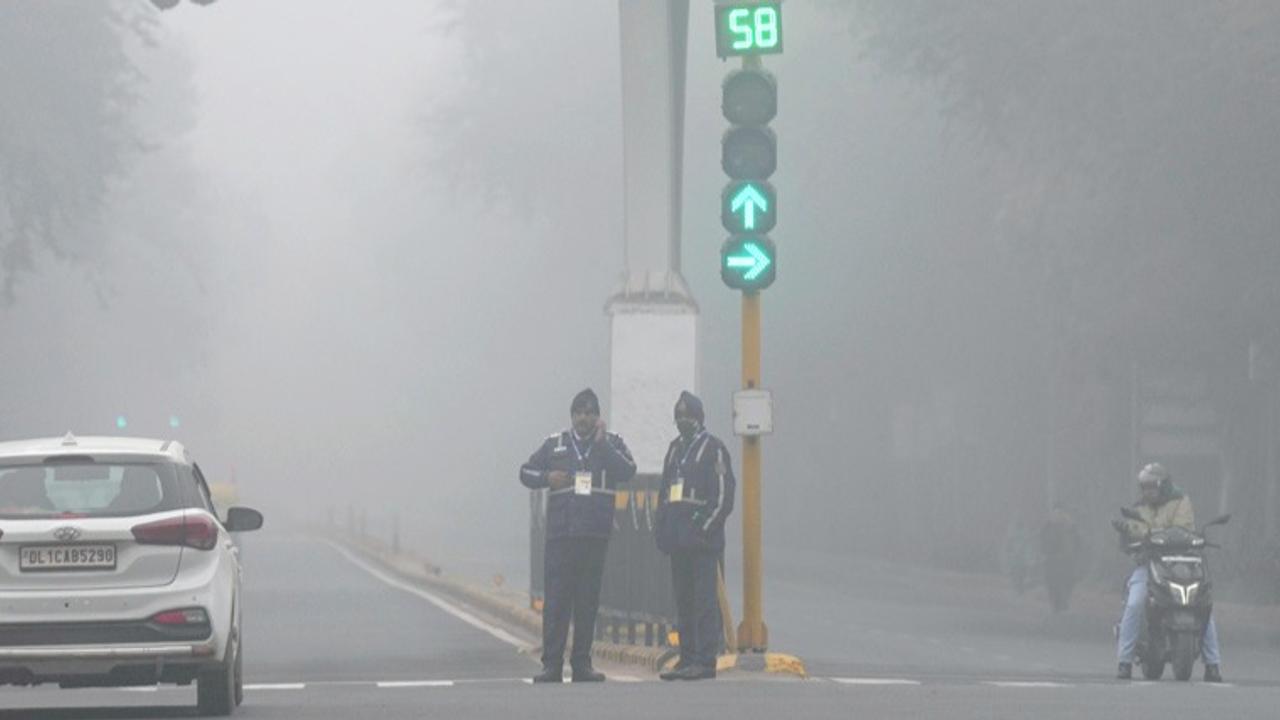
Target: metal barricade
[637, 606]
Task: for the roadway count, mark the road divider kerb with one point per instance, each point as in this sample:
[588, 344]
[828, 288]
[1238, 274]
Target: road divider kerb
[771, 663]
[505, 606]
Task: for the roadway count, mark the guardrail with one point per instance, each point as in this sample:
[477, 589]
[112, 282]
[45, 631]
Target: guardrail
[637, 606]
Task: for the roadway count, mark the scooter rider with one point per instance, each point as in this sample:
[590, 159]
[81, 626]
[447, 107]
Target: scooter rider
[1161, 506]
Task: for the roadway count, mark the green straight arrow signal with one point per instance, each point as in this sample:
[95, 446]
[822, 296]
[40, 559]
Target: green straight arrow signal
[747, 200]
[755, 259]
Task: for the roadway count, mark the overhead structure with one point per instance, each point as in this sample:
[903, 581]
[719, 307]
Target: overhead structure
[653, 316]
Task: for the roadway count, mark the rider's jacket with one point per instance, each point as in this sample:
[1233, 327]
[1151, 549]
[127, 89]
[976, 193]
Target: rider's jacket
[1172, 510]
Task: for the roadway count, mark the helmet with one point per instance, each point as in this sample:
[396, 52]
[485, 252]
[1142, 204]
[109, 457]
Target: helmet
[1153, 474]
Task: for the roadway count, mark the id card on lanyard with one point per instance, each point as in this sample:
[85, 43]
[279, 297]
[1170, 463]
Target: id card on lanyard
[676, 491]
[582, 478]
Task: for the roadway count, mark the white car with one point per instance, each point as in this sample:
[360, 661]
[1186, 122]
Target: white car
[115, 569]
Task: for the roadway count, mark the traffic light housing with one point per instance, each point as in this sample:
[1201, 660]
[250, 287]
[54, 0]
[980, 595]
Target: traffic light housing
[749, 100]
[748, 206]
[749, 156]
[748, 262]
[749, 153]
[749, 97]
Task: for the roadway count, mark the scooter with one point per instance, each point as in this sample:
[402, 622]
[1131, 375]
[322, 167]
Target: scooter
[1179, 599]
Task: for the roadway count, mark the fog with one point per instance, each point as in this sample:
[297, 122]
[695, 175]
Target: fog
[359, 252]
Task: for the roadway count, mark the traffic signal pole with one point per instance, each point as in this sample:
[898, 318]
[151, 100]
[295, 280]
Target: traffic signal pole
[749, 264]
[753, 635]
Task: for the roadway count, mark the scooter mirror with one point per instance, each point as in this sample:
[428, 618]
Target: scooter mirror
[1130, 513]
[1220, 520]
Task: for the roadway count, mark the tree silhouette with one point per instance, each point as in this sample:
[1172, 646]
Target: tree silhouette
[65, 127]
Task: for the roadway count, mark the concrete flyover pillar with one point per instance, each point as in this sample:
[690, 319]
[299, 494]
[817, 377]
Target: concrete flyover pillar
[653, 317]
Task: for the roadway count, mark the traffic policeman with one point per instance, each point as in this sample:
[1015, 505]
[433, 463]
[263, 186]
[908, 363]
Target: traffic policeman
[580, 468]
[695, 498]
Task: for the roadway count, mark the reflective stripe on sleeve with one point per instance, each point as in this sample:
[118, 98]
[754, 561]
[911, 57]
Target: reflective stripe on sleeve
[719, 498]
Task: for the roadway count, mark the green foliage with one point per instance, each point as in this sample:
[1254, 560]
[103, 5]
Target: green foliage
[65, 131]
[1135, 140]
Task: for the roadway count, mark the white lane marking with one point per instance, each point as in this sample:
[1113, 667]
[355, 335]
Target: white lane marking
[626, 678]
[276, 686]
[434, 599]
[1024, 684]
[875, 681]
[529, 681]
[414, 683]
[1220, 685]
[144, 688]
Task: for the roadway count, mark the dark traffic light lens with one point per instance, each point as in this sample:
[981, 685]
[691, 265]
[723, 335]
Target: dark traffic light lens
[749, 153]
[749, 97]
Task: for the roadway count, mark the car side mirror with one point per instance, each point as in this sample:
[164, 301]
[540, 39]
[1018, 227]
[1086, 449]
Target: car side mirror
[1130, 513]
[1220, 520]
[243, 519]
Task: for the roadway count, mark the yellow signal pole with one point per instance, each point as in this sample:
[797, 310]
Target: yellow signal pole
[753, 636]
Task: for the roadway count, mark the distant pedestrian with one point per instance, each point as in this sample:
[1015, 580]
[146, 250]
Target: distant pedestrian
[694, 501]
[579, 467]
[1060, 545]
[1019, 555]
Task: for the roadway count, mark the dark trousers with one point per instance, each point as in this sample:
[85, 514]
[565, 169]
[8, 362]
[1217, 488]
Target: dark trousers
[571, 571]
[693, 575]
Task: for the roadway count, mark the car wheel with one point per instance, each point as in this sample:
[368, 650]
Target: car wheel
[216, 688]
[239, 673]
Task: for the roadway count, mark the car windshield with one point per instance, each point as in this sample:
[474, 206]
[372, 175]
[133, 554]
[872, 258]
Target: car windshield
[87, 489]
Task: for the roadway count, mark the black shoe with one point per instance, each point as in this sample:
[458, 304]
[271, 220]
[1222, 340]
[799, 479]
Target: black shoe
[549, 676]
[586, 674]
[699, 672]
[679, 672]
[1125, 672]
[1212, 673]
[674, 673]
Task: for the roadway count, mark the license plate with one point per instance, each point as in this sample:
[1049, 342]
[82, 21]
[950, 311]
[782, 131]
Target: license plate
[40, 558]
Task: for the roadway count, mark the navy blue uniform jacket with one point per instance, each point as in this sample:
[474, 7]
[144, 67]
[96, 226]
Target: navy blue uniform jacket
[696, 522]
[568, 513]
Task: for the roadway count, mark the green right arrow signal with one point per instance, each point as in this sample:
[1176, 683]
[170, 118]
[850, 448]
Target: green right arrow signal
[748, 262]
[755, 261]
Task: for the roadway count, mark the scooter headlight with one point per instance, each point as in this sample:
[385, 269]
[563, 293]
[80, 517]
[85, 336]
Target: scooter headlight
[1184, 594]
